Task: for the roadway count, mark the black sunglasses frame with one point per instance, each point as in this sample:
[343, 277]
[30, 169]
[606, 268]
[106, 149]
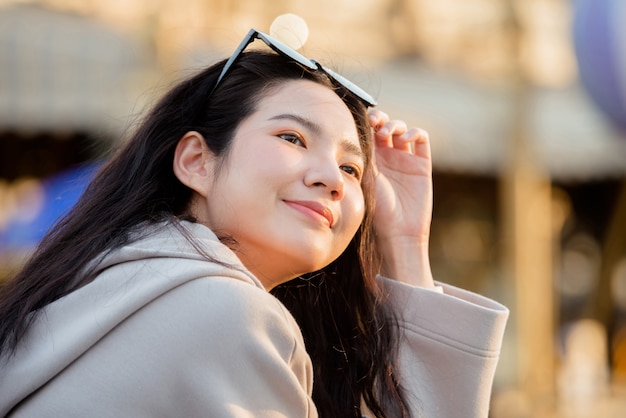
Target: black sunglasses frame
[291, 53]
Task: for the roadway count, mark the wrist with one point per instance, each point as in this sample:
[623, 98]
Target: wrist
[406, 259]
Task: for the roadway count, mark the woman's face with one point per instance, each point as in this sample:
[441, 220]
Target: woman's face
[289, 192]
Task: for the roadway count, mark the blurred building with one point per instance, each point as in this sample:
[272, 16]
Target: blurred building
[530, 176]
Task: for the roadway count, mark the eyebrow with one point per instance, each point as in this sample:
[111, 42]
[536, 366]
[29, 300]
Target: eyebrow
[347, 145]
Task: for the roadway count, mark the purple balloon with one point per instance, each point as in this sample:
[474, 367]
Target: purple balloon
[600, 44]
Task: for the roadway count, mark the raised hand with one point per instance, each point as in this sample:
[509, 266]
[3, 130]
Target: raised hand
[404, 198]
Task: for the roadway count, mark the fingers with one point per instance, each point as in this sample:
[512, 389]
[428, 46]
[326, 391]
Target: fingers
[377, 118]
[416, 136]
[420, 142]
[395, 133]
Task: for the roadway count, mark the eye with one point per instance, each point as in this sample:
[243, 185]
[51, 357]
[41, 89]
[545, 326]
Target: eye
[293, 138]
[352, 170]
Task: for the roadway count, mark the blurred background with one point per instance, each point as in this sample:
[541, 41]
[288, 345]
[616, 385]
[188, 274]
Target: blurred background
[524, 100]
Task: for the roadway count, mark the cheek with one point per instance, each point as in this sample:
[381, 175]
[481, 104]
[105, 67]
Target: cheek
[272, 161]
[354, 209]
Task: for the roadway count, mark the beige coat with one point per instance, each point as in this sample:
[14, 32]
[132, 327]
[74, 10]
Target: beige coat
[164, 333]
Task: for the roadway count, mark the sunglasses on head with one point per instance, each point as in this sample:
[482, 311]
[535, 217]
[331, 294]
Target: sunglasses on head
[291, 53]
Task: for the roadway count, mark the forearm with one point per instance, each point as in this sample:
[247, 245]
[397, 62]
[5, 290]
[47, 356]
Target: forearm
[406, 259]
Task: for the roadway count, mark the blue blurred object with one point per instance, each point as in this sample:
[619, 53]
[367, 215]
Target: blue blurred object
[600, 43]
[60, 194]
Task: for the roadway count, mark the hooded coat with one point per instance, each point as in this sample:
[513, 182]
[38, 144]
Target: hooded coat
[164, 332]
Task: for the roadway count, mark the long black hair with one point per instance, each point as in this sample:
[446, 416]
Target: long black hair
[349, 330]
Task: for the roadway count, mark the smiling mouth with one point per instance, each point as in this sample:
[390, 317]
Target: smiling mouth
[313, 210]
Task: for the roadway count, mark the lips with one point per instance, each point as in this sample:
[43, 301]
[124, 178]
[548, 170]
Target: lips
[312, 208]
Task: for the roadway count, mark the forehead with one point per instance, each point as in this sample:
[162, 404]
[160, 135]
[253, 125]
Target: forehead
[313, 101]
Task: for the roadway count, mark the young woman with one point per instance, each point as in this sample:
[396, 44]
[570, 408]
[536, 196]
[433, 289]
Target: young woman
[258, 248]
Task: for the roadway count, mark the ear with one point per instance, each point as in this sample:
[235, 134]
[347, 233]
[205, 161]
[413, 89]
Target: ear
[191, 163]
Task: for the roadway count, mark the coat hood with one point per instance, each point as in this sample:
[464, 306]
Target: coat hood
[70, 326]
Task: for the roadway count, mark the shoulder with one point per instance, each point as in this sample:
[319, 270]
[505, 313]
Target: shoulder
[238, 313]
[202, 347]
[223, 301]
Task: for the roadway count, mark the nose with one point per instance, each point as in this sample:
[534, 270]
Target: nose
[327, 176]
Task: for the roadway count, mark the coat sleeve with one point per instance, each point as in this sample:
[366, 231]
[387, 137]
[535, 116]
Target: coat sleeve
[450, 344]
